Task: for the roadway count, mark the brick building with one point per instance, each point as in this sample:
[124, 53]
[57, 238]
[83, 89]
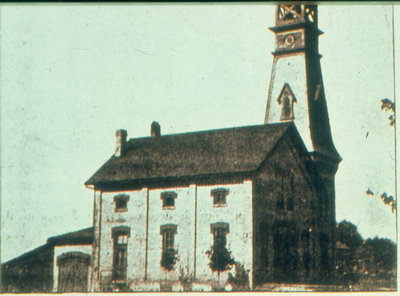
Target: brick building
[265, 192]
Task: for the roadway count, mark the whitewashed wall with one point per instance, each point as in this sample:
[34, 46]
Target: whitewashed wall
[291, 69]
[237, 212]
[181, 215]
[135, 218]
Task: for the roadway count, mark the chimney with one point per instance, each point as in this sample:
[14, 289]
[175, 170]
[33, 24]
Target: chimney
[155, 129]
[120, 136]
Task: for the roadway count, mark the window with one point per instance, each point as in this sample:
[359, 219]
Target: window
[286, 194]
[291, 193]
[121, 202]
[219, 231]
[120, 257]
[220, 257]
[168, 199]
[219, 196]
[281, 202]
[286, 99]
[169, 254]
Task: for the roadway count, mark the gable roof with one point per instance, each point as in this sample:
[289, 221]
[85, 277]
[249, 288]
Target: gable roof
[223, 151]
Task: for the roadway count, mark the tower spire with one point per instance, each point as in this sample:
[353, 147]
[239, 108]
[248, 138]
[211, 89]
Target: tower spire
[296, 92]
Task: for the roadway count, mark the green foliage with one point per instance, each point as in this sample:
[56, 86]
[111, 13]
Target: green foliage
[359, 260]
[186, 279]
[388, 105]
[169, 258]
[389, 200]
[239, 282]
[220, 257]
[386, 199]
[378, 255]
[349, 240]
[347, 233]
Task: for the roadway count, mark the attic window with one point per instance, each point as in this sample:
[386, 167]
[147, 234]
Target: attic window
[121, 202]
[219, 196]
[168, 199]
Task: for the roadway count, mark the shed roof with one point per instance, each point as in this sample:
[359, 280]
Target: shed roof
[231, 150]
[80, 237]
[83, 236]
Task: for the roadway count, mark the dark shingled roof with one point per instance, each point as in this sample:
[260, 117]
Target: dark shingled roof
[80, 237]
[83, 236]
[232, 150]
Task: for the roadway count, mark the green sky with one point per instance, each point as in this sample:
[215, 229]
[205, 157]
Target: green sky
[73, 74]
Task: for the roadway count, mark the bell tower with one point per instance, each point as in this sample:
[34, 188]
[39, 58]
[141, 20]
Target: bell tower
[296, 93]
[296, 87]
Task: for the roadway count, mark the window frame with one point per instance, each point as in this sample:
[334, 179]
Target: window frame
[168, 196]
[120, 253]
[219, 231]
[290, 200]
[219, 196]
[171, 230]
[168, 232]
[118, 199]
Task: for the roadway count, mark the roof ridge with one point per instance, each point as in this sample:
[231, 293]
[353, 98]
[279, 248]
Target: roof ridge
[288, 123]
[222, 151]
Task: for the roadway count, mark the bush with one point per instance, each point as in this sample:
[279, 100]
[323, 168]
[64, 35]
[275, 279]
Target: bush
[169, 259]
[239, 282]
